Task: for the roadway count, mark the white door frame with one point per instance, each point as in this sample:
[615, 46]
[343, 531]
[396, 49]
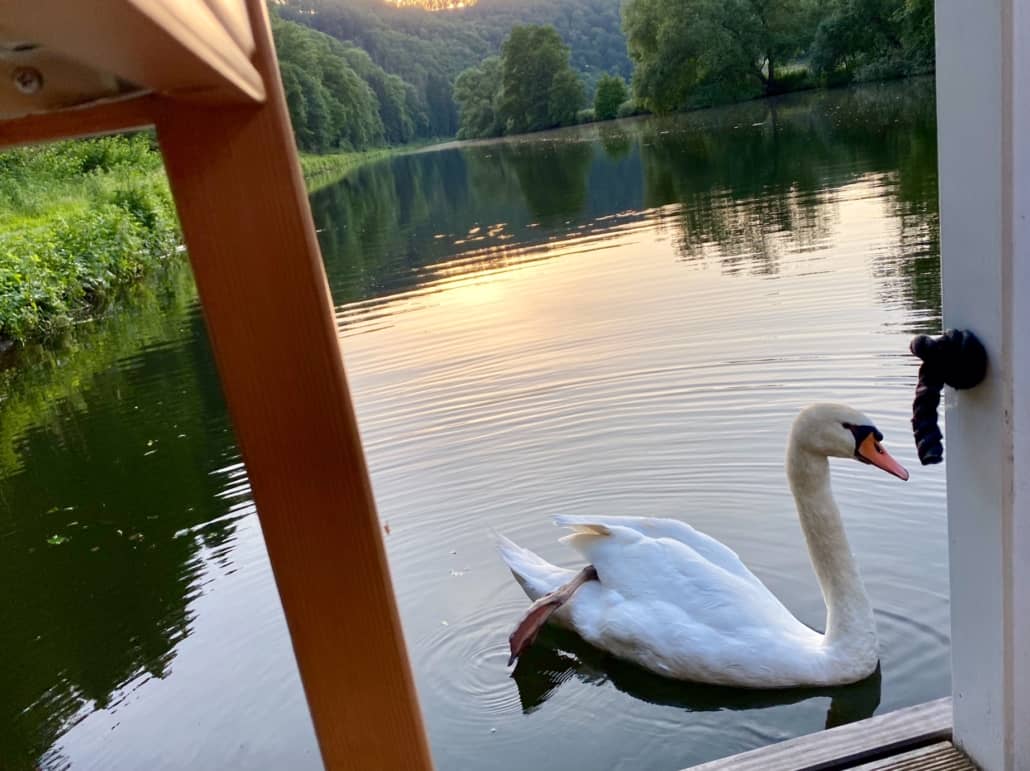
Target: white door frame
[983, 111]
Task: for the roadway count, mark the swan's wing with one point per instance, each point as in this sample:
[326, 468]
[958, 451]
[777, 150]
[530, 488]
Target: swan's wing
[659, 603]
[665, 573]
[653, 527]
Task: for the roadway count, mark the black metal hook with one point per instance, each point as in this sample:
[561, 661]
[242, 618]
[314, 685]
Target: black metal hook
[956, 358]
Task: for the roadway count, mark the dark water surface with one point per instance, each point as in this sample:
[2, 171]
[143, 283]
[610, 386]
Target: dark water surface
[621, 319]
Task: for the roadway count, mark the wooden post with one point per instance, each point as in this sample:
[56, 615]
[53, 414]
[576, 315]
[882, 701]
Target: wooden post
[245, 214]
[983, 94]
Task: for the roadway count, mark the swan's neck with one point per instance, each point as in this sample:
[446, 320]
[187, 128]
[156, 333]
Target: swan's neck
[850, 627]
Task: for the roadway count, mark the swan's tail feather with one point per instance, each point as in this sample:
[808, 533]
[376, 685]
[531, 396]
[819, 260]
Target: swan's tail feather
[581, 525]
[535, 575]
[584, 532]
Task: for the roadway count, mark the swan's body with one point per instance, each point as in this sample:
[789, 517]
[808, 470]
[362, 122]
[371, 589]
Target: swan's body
[681, 604]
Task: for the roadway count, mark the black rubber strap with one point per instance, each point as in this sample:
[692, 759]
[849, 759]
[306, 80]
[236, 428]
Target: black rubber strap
[956, 358]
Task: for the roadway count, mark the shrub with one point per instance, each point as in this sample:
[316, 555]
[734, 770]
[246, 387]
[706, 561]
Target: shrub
[794, 79]
[628, 109]
[611, 94]
[84, 219]
[881, 69]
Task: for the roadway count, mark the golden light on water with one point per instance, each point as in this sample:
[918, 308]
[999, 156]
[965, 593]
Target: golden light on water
[433, 5]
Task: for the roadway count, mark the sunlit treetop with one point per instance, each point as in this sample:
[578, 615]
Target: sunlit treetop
[433, 5]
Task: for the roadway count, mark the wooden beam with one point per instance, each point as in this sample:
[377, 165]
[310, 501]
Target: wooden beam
[176, 48]
[64, 83]
[244, 210]
[847, 745]
[233, 16]
[104, 117]
[983, 108]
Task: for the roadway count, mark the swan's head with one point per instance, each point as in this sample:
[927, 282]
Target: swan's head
[836, 431]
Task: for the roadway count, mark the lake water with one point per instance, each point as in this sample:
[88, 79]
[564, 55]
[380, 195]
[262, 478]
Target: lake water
[618, 319]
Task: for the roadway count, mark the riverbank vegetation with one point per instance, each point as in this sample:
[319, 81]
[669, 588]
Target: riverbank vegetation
[691, 53]
[676, 54]
[81, 220]
[78, 220]
[695, 53]
[322, 170]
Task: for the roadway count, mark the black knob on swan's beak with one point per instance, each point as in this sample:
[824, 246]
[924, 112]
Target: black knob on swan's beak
[956, 358]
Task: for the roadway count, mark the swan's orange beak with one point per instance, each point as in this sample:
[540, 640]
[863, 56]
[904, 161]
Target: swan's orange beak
[871, 451]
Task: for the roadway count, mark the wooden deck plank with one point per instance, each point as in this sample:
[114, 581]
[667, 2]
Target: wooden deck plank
[848, 745]
[940, 756]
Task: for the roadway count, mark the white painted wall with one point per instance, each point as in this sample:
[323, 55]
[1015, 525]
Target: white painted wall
[983, 106]
[1019, 329]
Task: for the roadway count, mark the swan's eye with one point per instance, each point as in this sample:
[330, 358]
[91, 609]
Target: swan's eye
[848, 426]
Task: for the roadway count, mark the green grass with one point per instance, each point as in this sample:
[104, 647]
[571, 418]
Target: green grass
[81, 220]
[323, 170]
[78, 220]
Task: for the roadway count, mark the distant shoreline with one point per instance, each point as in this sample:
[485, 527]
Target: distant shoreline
[454, 144]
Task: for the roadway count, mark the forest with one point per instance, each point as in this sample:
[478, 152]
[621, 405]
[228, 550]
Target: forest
[411, 58]
[453, 72]
[339, 99]
[694, 53]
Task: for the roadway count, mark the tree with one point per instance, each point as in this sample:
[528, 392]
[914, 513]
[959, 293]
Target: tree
[391, 93]
[666, 41]
[764, 34]
[531, 58]
[565, 98]
[917, 33]
[331, 107]
[295, 103]
[440, 106]
[611, 92]
[701, 51]
[530, 87]
[319, 133]
[873, 39]
[477, 91]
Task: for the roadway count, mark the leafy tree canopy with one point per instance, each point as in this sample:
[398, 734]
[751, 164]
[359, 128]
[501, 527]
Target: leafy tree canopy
[871, 39]
[611, 93]
[531, 86]
[694, 52]
[331, 107]
[477, 90]
[429, 50]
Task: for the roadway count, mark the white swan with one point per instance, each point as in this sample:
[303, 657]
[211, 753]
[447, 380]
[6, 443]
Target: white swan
[681, 604]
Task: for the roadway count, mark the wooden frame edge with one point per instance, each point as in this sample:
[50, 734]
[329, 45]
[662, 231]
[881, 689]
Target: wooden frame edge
[106, 117]
[178, 49]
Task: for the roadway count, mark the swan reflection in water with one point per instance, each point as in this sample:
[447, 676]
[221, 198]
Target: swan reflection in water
[560, 656]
